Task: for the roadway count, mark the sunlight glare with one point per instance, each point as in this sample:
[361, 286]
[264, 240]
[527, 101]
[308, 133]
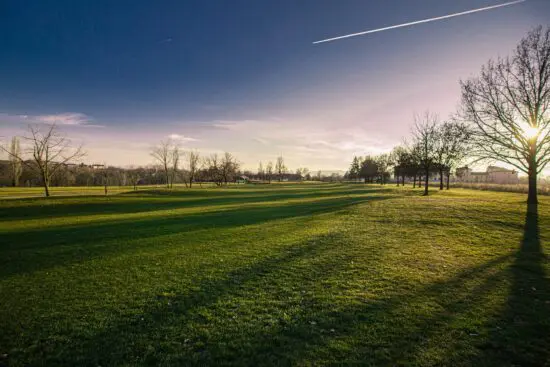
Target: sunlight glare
[530, 132]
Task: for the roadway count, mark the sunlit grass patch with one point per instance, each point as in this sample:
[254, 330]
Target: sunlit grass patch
[275, 275]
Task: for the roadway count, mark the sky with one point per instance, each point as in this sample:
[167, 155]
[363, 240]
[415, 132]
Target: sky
[243, 76]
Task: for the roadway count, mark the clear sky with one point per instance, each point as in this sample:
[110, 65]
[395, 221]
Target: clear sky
[243, 75]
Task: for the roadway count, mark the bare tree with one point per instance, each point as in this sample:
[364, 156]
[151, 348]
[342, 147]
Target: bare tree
[133, 177]
[304, 173]
[193, 159]
[229, 167]
[269, 171]
[162, 154]
[15, 163]
[508, 105]
[425, 139]
[105, 177]
[383, 164]
[49, 151]
[214, 169]
[175, 158]
[402, 162]
[261, 171]
[452, 146]
[280, 167]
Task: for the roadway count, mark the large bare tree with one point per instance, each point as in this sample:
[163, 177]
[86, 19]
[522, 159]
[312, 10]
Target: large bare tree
[508, 105]
[45, 151]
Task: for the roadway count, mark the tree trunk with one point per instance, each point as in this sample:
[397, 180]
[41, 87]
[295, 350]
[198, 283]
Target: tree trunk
[448, 179]
[403, 180]
[532, 196]
[46, 184]
[441, 179]
[414, 181]
[427, 180]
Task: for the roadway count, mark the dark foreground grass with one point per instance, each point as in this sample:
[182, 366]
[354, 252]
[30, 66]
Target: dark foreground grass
[275, 275]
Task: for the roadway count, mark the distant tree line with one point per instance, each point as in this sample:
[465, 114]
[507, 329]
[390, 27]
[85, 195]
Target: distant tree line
[435, 148]
[49, 159]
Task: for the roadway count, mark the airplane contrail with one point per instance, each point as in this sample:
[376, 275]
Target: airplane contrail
[421, 21]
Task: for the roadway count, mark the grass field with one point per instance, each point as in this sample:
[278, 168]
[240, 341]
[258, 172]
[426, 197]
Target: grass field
[297, 274]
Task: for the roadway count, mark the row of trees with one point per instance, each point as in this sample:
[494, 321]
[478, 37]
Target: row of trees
[504, 116]
[47, 158]
[435, 148]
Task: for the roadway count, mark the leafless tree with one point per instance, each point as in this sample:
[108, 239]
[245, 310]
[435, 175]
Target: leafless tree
[163, 155]
[280, 167]
[383, 163]
[425, 139]
[175, 158]
[15, 163]
[303, 172]
[269, 171]
[193, 160]
[229, 167]
[48, 150]
[508, 105]
[105, 177]
[261, 171]
[452, 146]
[213, 169]
[133, 177]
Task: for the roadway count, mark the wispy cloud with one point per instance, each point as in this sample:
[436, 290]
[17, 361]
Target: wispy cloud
[66, 118]
[181, 138]
[420, 21]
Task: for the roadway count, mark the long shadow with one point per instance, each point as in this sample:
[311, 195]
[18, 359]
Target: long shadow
[521, 334]
[391, 330]
[399, 338]
[151, 201]
[38, 249]
[283, 342]
[128, 339]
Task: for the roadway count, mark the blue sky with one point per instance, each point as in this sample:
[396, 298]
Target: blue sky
[243, 76]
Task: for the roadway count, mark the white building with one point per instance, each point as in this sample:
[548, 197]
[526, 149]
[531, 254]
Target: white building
[493, 174]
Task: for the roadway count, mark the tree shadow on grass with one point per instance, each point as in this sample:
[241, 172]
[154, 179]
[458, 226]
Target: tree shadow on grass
[432, 324]
[521, 335]
[168, 325]
[147, 201]
[56, 246]
[195, 329]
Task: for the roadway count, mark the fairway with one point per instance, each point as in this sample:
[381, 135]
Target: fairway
[282, 274]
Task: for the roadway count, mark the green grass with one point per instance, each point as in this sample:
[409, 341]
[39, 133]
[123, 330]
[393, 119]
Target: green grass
[299, 274]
